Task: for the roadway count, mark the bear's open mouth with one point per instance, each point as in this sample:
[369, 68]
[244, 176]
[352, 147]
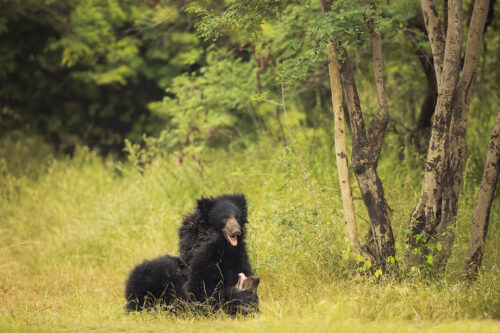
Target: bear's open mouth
[231, 231]
[233, 239]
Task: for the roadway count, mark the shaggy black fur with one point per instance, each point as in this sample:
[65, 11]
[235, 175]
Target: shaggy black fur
[212, 254]
[213, 263]
[154, 282]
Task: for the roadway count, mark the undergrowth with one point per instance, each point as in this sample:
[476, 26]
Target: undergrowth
[71, 228]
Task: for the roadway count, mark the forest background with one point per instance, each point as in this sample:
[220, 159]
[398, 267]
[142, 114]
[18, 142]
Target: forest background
[116, 115]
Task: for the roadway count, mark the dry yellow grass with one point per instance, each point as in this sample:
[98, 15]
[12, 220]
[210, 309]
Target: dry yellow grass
[71, 229]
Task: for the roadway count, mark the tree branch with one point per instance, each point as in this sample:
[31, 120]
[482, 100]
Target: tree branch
[354, 106]
[436, 35]
[473, 50]
[379, 124]
[453, 50]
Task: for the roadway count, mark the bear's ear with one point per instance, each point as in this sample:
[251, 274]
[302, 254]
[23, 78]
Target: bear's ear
[240, 201]
[205, 204]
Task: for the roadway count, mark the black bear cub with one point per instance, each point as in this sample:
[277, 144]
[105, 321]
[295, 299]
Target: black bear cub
[155, 282]
[213, 268]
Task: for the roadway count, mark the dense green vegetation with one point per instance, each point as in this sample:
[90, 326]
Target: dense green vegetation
[115, 116]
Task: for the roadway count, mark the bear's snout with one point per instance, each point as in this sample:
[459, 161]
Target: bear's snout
[232, 230]
[235, 231]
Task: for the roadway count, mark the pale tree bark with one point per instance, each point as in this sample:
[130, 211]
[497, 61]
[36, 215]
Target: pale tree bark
[479, 227]
[381, 239]
[379, 124]
[427, 212]
[341, 149]
[435, 33]
[366, 150]
[365, 153]
[454, 164]
[434, 216]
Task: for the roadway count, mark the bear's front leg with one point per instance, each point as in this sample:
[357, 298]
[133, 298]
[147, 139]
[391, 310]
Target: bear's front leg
[204, 275]
[236, 263]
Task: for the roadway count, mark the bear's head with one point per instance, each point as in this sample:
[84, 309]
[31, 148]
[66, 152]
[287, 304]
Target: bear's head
[244, 299]
[227, 214]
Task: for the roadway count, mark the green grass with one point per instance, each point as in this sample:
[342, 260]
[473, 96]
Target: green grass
[72, 228]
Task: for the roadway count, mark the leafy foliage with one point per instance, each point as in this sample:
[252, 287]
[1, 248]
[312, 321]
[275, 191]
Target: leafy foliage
[90, 68]
[97, 72]
[208, 101]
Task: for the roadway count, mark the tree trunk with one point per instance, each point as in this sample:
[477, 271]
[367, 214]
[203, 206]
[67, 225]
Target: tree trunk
[382, 239]
[366, 151]
[427, 213]
[434, 216]
[340, 144]
[479, 227]
[341, 150]
[364, 161]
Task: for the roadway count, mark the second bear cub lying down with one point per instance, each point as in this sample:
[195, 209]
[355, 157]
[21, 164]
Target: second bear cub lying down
[158, 283]
[213, 268]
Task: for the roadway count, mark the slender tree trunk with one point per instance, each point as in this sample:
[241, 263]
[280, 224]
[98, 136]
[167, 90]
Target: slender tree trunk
[381, 244]
[366, 149]
[341, 150]
[340, 147]
[434, 216]
[479, 227]
[364, 161]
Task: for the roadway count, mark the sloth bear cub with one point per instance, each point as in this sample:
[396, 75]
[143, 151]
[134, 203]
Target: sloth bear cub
[153, 282]
[213, 268]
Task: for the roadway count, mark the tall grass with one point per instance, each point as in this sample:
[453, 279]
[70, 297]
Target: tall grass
[72, 228]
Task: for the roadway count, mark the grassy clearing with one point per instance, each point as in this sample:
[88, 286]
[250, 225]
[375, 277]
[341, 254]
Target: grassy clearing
[71, 229]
